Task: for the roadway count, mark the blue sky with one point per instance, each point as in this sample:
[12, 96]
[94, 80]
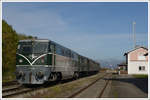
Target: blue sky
[96, 30]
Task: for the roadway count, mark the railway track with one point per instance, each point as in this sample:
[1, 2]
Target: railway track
[74, 95]
[10, 83]
[15, 90]
[19, 90]
[102, 92]
[10, 87]
[7, 89]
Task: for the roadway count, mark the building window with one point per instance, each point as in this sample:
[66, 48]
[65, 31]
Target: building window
[141, 56]
[141, 68]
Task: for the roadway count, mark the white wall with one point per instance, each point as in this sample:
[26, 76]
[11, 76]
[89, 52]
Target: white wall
[133, 67]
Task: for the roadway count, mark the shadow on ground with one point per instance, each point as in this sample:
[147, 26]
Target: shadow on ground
[141, 83]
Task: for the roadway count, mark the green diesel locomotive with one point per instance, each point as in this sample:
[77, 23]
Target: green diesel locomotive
[38, 61]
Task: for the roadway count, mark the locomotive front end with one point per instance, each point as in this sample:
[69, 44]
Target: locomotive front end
[32, 64]
[32, 74]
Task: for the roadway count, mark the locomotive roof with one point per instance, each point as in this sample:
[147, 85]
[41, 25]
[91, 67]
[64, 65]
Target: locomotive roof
[38, 40]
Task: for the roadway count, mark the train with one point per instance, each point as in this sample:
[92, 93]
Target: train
[42, 60]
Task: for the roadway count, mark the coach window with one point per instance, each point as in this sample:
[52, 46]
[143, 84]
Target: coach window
[72, 54]
[69, 53]
[65, 53]
[62, 51]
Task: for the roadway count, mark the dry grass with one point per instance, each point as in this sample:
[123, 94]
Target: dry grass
[141, 76]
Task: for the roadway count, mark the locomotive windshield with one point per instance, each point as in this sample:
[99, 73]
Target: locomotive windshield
[40, 47]
[33, 47]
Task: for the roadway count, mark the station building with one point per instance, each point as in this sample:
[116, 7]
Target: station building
[137, 61]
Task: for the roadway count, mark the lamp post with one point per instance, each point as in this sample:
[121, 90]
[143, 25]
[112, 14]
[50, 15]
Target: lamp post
[134, 38]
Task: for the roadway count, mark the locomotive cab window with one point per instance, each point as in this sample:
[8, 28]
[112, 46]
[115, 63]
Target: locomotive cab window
[24, 47]
[32, 47]
[40, 47]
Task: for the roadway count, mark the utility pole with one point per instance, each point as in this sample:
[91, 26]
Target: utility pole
[134, 38]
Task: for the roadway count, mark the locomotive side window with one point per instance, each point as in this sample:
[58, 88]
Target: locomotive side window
[58, 50]
[67, 54]
[52, 47]
[40, 47]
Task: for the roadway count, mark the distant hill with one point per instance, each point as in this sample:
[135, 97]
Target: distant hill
[10, 39]
[110, 63]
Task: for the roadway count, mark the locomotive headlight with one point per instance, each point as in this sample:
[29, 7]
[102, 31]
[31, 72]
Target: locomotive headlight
[19, 74]
[40, 74]
[20, 60]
